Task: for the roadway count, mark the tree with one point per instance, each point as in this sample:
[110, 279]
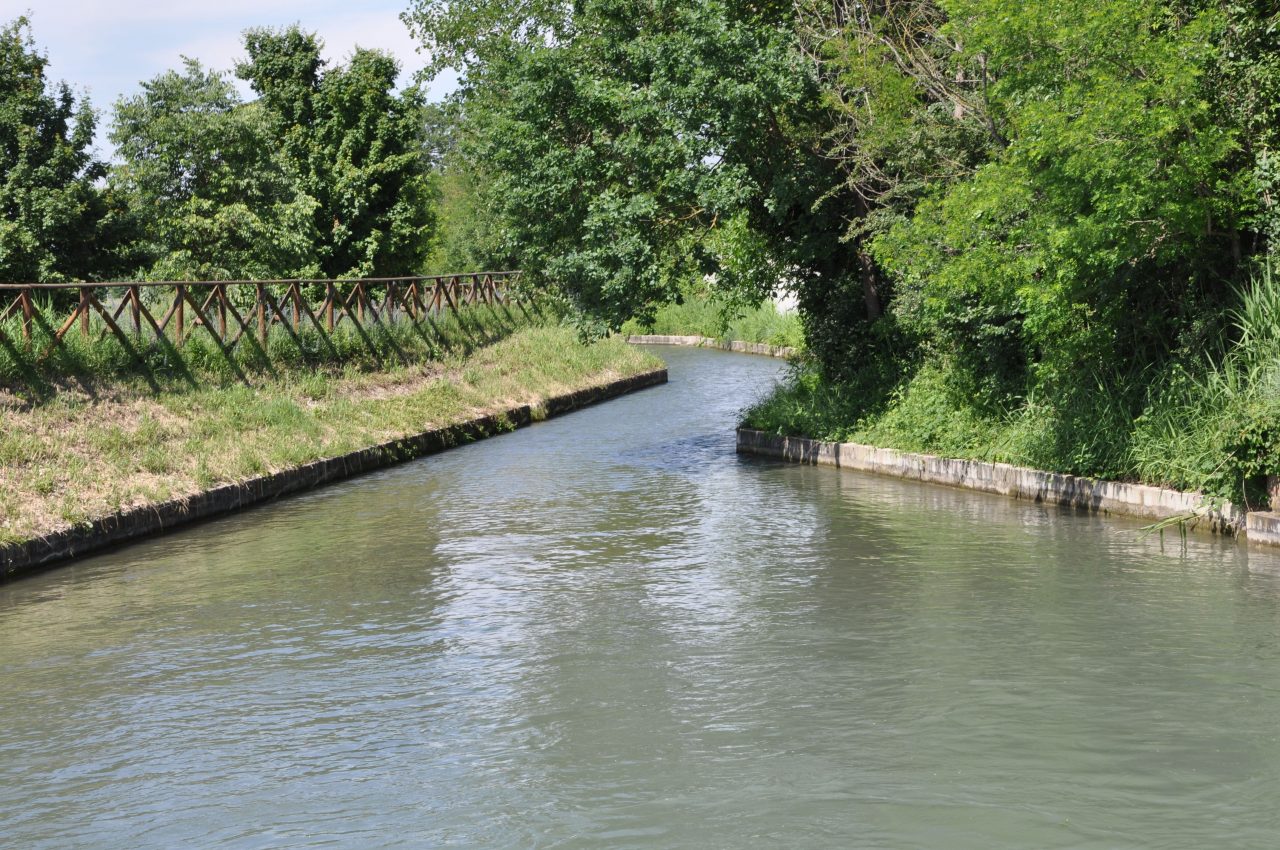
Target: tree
[356, 146]
[1110, 215]
[50, 211]
[624, 135]
[907, 112]
[204, 180]
[468, 235]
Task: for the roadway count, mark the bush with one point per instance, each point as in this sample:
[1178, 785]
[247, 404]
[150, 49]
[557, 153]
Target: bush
[718, 318]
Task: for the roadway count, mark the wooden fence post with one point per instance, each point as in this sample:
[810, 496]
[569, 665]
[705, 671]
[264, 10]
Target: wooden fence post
[331, 295]
[84, 312]
[26, 315]
[135, 309]
[179, 313]
[262, 313]
[220, 292]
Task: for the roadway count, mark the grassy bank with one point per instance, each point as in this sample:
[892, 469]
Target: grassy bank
[700, 315]
[40, 368]
[1207, 420]
[87, 451]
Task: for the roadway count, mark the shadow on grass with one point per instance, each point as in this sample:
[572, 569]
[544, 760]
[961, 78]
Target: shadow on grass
[31, 379]
[39, 368]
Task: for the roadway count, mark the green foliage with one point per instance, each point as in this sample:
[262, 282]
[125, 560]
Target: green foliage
[1111, 210]
[1201, 422]
[50, 212]
[1212, 423]
[356, 147]
[468, 236]
[1003, 222]
[475, 31]
[709, 315]
[1016, 231]
[325, 175]
[764, 323]
[620, 147]
[212, 197]
[1068, 293]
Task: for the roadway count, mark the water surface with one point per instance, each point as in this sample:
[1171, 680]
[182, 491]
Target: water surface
[607, 630]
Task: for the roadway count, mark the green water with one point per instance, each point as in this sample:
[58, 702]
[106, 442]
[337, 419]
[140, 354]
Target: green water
[609, 631]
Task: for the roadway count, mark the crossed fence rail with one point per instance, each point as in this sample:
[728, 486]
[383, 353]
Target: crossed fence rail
[229, 310]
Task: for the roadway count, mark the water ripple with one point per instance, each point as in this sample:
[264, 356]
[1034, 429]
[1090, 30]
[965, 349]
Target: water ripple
[609, 631]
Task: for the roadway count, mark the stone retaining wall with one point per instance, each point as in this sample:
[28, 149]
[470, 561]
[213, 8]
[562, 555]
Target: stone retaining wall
[1138, 500]
[1263, 527]
[138, 522]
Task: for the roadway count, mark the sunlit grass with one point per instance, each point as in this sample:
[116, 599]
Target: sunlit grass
[1207, 421]
[73, 456]
[703, 316]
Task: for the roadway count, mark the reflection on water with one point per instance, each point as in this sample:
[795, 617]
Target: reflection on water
[609, 631]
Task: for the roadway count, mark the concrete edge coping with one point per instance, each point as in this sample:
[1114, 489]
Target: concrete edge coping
[1092, 494]
[146, 520]
[707, 342]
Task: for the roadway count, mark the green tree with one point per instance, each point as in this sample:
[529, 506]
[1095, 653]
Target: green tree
[204, 181]
[624, 135]
[1112, 214]
[468, 236]
[50, 211]
[356, 145]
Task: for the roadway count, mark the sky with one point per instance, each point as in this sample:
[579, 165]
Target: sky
[105, 49]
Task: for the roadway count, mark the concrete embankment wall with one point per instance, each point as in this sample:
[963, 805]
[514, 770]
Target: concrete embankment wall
[707, 342]
[18, 558]
[1138, 500]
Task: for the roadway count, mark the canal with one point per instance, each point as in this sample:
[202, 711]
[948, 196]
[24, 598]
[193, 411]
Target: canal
[607, 631]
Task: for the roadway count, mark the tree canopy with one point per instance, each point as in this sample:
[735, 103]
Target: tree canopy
[210, 192]
[356, 147]
[629, 141]
[325, 174]
[1005, 183]
[50, 211]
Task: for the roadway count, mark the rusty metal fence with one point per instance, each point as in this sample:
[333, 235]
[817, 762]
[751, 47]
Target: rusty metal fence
[231, 310]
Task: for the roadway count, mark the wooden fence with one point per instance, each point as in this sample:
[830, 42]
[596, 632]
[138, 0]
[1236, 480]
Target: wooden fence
[231, 310]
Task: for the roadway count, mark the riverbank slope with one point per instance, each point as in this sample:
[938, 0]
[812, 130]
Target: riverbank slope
[84, 455]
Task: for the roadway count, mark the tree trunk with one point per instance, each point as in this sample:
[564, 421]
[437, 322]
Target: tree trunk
[870, 290]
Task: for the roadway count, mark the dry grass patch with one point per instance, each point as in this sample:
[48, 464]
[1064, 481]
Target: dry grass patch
[77, 456]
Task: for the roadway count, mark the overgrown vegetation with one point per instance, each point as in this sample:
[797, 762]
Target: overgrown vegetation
[1207, 420]
[84, 454]
[1023, 231]
[705, 315]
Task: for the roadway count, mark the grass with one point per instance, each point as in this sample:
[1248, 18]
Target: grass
[40, 369]
[1206, 421]
[79, 454]
[702, 315]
